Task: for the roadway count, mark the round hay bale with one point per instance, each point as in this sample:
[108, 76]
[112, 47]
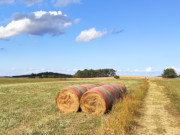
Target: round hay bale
[122, 86]
[118, 90]
[118, 87]
[89, 86]
[85, 88]
[113, 92]
[68, 99]
[108, 93]
[96, 101]
[102, 83]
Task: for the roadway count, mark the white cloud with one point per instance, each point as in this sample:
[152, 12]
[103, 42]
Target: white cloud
[27, 2]
[36, 23]
[77, 20]
[34, 70]
[114, 31]
[75, 70]
[39, 14]
[149, 69]
[13, 68]
[137, 70]
[6, 1]
[119, 70]
[65, 2]
[128, 70]
[67, 24]
[88, 35]
[13, 28]
[177, 70]
[31, 2]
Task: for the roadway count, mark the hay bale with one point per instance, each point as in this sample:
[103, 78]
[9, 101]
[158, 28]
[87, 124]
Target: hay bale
[123, 87]
[89, 86]
[118, 89]
[102, 83]
[97, 100]
[68, 99]
[85, 88]
[115, 92]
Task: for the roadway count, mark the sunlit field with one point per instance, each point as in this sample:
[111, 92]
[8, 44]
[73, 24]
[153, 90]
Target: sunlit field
[27, 106]
[172, 90]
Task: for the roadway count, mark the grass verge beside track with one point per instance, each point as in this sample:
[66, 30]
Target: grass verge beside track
[172, 89]
[120, 119]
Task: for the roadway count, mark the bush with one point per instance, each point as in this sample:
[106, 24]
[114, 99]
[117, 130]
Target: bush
[116, 77]
[169, 73]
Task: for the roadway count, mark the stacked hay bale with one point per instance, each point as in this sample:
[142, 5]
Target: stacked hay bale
[122, 86]
[68, 99]
[102, 83]
[99, 99]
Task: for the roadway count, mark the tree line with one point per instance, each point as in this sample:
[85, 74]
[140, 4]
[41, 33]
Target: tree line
[50, 75]
[45, 75]
[95, 73]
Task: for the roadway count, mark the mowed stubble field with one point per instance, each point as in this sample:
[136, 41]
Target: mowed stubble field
[27, 106]
[171, 88]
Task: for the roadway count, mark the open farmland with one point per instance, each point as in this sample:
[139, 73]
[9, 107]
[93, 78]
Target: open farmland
[172, 89]
[162, 97]
[27, 106]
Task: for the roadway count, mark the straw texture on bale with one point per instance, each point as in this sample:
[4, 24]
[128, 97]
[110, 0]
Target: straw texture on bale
[68, 99]
[89, 86]
[102, 83]
[99, 99]
[123, 87]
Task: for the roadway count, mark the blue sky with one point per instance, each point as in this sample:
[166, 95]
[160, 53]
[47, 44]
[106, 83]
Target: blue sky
[134, 37]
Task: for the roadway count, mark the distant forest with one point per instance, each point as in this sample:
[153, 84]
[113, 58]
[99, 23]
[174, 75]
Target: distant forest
[46, 75]
[79, 74]
[95, 73]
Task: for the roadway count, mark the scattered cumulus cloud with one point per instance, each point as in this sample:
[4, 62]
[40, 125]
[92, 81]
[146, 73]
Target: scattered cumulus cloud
[6, 1]
[137, 70]
[36, 23]
[149, 69]
[143, 72]
[64, 2]
[88, 35]
[27, 2]
[31, 2]
[5, 39]
[114, 31]
[13, 68]
[177, 70]
[39, 70]
[2, 49]
[77, 20]
[75, 70]
[35, 70]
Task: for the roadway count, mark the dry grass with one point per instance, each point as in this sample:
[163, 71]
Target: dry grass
[27, 106]
[171, 88]
[120, 119]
